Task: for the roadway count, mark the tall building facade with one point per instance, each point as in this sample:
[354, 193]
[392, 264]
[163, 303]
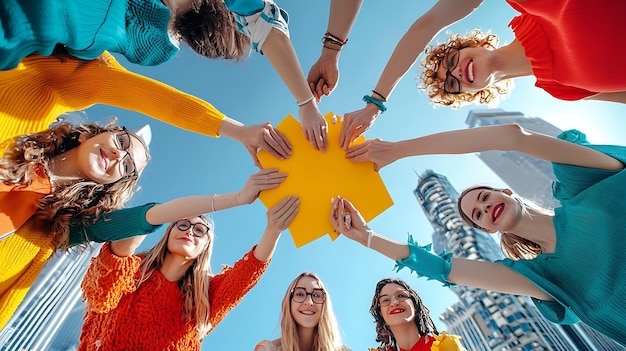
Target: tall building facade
[516, 168]
[487, 320]
[53, 297]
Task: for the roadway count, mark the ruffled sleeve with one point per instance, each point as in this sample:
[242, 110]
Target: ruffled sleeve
[108, 278]
[229, 286]
[571, 179]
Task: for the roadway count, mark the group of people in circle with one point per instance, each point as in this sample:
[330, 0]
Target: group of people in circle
[65, 185]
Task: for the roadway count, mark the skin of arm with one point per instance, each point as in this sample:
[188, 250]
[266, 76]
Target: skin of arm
[190, 206]
[503, 137]
[279, 218]
[613, 97]
[281, 54]
[263, 136]
[441, 15]
[347, 220]
[324, 74]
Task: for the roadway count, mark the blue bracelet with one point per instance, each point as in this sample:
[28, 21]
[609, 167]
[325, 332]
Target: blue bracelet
[381, 106]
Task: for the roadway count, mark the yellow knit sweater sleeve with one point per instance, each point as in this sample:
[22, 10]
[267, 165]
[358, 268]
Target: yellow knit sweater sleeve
[42, 88]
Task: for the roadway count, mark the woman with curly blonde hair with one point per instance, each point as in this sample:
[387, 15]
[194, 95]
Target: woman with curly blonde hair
[308, 322]
[564, 44]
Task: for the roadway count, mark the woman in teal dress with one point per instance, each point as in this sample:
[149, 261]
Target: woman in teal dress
[570, 262]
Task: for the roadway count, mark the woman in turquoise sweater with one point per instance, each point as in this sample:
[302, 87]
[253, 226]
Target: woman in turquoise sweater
[148, 32]
[571, 262]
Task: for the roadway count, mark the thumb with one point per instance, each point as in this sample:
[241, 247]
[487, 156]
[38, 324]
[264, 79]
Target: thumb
[255, 158]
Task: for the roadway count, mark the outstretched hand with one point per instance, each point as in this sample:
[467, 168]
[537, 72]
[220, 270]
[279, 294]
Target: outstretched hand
[265, 179]
[378, 151]
[356, 123]
[266, 137]
[347, 220]
[314, 126]
[282, 214]
[323, 76]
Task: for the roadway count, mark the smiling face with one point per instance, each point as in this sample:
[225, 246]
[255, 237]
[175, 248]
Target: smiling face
[307, 313]
[107, 157]
[396, 306]
[472, 70]
[491, 210]
[185, 238]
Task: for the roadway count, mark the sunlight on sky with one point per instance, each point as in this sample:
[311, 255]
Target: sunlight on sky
[250, 91]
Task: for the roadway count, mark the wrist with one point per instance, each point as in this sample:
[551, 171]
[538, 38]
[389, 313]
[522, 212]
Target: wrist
[380, 105]
[308, 101]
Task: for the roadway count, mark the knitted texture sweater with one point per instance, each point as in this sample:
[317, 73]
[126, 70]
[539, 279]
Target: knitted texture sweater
[40, 89]
[122, 316]
[138, 29]
[562, 49]
[586, 274]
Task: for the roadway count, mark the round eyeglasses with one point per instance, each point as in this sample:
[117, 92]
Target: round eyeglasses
[318, 296]
[451, 85]
[123, 143]
[400, 296]
[198, 230]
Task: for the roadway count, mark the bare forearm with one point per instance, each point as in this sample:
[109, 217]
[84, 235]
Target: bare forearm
[190, 206]
[230, 128]
[388, 247]
[267, 245]
[281, 54]
[412, 44]
[342, 15]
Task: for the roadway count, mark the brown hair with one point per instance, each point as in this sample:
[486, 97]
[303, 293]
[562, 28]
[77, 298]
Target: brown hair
[434, 86]
[82, 201]
[512, 245]
[209, 29]
[422, 320]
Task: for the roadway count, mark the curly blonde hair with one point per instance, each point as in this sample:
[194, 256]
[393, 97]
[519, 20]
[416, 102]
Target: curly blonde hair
[433, 86]
[82, 201]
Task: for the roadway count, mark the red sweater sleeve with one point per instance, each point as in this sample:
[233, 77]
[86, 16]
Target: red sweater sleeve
[229, 286]
[108, 278]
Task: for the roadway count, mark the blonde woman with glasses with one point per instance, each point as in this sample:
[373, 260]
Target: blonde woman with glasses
[167, 298]
[307, 322]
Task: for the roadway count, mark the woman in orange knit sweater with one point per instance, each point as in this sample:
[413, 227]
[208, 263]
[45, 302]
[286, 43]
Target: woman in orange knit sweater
[43, 87]
[167, 298]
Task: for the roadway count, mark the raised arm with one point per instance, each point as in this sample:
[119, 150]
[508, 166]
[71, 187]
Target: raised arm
[279, 218]
[324, 74]
[347, 220]
[441, 15]
[190, 206]
[281, 54]
[612, 97]
[503, 137]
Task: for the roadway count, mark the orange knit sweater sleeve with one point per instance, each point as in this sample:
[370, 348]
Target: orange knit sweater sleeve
[108, 278]
[228, 287]
[42, 88]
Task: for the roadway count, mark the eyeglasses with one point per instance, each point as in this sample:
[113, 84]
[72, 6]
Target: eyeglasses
[199, 230]
[318, 296]
[400, 296]
[123, 143]
[452, 85]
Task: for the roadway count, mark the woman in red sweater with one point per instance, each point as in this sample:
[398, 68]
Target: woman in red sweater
[167, 298]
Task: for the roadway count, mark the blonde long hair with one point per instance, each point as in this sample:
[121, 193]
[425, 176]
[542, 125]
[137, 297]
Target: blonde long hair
[327, 335]
[83, 200]
[194, 285]
[434, 86]
[512, 245]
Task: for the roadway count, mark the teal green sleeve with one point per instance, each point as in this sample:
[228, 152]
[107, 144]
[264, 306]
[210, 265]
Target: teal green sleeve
[113, 226]
[425, 263]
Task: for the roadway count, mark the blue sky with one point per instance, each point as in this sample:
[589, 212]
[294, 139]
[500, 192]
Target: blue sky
[251, 92]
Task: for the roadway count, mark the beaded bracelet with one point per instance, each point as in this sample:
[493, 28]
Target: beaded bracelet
[381, 106]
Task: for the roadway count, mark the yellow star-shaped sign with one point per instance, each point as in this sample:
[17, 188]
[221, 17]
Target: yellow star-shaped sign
[317, 176]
